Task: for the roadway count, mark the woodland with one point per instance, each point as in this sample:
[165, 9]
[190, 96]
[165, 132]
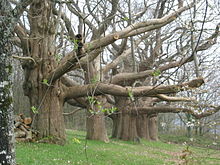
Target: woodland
[125, 69]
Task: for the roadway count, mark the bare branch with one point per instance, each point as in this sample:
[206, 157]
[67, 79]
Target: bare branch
[21, 7]
[72, 113]
[116, 90]
[168, 109]
[174, 99]
[105, 23]
[70, 62]
[81, 15]
[124, 54]
[24, 58]
[135, 29]
[121, 77]
[67, 24]
[65, 66]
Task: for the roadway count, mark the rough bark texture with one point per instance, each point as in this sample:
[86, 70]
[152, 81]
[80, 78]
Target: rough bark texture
[129, 125]
[142, 126]
[95, 126]
[115, 121]
[153, 128]
[49, 121]
[126, 129]
[45, 97]
[7, 148]
[95, 121]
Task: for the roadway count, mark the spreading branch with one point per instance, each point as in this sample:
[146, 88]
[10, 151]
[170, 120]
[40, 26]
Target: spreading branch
[135, 29]
[174, 99]
[168, 109]
[72, 113]
[116, 90]
[121, 77]
[100, 43]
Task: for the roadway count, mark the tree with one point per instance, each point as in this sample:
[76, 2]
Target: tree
[155, 50]
[51, 49]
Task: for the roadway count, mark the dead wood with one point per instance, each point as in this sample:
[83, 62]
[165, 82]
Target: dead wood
[23, 130]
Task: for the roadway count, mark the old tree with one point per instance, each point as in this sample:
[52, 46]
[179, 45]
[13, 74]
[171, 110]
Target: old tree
[116, 58]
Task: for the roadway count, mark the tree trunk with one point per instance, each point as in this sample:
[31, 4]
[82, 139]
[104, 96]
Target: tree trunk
[131, 125]
[7, 149]
[95, 121]
[153, 128]
[200, 130]
[95, 126]
[189, 130]
[49, 120]
[45, 97]
[196, 130]
[115, 120]
[142, 126]
[127, 128]
[46, 103]
[7, 141]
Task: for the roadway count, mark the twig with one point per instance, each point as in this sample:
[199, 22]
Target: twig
[24, 58]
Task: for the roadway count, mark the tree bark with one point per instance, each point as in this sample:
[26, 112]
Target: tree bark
[46, 97]
[95, 126]
[95, 120]
[142, 126]
[115, 120]
[153, 128]
[127, 129]
[7, 141]
[49, 120]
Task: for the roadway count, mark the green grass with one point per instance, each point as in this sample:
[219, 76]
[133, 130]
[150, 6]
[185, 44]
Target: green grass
[113, 153]
[199, 141]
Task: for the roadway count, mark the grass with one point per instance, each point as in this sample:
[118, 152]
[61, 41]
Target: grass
[115, 152]
[199, 141]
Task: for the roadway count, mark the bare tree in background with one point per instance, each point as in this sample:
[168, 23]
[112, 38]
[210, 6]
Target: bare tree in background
[114, 51]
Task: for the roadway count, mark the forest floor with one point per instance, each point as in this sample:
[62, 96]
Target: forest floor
[78, 151]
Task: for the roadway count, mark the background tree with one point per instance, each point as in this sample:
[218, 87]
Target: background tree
[112, 49]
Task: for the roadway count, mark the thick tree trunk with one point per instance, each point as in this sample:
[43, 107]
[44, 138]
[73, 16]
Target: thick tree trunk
[200, 130]
[95, 122]
[142, 126]
[45, 97]
[46, 103]
[153, 128]
[115, 120]
[7, 141]
[49, 120]
[130, 125]
[127, 129]
[95, 126]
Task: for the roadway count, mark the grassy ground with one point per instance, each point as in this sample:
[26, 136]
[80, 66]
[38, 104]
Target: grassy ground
[199, 141]
[77, 152]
